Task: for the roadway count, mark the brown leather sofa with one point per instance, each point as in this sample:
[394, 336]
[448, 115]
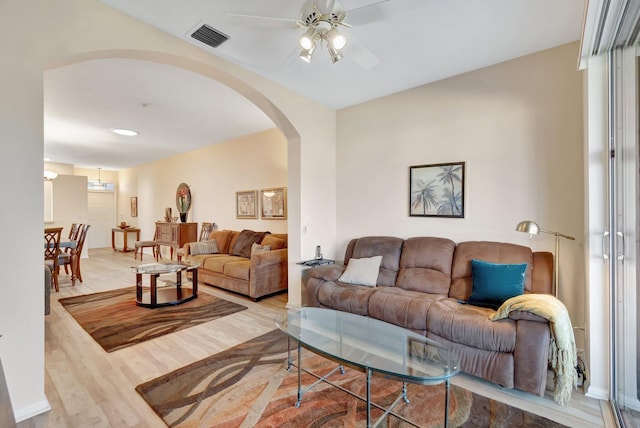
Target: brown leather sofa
[423, 285]
[256, 276]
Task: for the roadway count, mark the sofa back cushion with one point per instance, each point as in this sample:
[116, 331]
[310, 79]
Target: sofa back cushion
[242, 245]
[425, 265]
[222, 238]
[494, 252]
[388, 247]
[275, 241]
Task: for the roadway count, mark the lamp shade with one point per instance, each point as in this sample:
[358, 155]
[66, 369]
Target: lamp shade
[337, 39]
[528, 226]
[306, 41]
[307, 54]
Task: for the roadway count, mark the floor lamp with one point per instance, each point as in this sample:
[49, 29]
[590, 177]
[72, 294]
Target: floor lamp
[532, 228]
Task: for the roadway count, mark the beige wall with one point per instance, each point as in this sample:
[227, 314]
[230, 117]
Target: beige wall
[308, 127]
[517, 125]
[519, 128]
[214, 175]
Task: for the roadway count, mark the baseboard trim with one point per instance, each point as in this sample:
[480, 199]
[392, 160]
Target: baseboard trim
[32, 410]
[598, 393]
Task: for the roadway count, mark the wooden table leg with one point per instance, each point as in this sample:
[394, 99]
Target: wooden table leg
[139, 287]
[153, 290]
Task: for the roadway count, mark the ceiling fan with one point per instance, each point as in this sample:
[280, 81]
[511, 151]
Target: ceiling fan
[322, 22]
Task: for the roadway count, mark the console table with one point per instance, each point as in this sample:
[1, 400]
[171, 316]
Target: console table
[125, 232]
[175, 235]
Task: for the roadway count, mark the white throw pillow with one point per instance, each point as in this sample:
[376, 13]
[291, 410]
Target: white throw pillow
[362, 271]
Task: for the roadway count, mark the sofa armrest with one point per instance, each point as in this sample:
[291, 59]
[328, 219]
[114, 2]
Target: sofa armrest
[268, 258]
[327, 272]
[526, 315]
[268, 273]
[531, 354]
[185, 250]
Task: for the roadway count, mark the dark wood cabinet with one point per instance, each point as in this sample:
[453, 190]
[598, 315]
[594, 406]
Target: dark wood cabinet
[175, 235]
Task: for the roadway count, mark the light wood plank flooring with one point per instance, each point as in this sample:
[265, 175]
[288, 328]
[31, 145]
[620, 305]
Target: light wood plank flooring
[88, 387]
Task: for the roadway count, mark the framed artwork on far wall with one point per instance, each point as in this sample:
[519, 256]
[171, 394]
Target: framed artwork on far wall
[247, 204]
[437, 190]
[273, 203]
[134, 206]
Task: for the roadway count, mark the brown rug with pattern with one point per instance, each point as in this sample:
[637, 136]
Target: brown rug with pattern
[248, 386]
[114, 320]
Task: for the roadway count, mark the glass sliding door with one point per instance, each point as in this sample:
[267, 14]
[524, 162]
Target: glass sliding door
[624, 177]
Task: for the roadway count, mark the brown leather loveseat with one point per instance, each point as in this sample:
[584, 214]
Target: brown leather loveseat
[423, 285]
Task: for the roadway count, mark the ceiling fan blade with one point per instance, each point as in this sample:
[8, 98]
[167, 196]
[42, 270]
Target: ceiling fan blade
[366, 14]
[265, 21]
[325, 6]
[357, 52]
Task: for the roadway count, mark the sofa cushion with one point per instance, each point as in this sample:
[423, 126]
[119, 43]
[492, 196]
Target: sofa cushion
[345, 297]
[216, 264]
[246, 239]
[238, 269]
[470, 325]
[274, 242]
[494, 283]
[495, 252]
[222, 240]
[387, 247]
[257, 248]
[362, 271]
[405, 308]
[425, 265]
[206, 247]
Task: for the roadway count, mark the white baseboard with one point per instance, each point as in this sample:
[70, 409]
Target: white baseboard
[598, 393]
[32, 410]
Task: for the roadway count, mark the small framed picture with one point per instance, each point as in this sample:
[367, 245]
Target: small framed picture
[437, 190]
[134, 206]
[273, 203]
[247, 204]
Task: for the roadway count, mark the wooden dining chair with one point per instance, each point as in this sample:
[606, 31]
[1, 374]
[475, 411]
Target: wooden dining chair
[52, 252]
[77, 253]
[65, 254]
[206, 230]
[141, 245]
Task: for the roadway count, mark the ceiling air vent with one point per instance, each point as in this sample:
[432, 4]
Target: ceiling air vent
[210, 36]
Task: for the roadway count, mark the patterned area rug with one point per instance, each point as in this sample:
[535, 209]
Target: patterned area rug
[114, 320]
[248, 386]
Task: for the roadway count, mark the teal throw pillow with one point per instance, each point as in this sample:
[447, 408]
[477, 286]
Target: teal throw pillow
[493, 283]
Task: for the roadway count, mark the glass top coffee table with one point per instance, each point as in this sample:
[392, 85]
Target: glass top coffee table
[371, 345]
[174, 294]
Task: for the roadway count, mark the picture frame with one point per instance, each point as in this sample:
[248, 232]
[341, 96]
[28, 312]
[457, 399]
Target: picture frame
[273, 203]
[247, 204]
[437, 190]
[134, 206]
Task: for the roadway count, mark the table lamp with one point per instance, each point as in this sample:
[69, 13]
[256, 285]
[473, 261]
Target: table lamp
[532, 228]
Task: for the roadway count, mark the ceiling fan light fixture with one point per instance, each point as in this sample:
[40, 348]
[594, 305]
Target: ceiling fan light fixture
[334, 55]
[307, 40]
[307, 54]
[336, 39]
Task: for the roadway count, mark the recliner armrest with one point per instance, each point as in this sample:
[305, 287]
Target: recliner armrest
[327, 272]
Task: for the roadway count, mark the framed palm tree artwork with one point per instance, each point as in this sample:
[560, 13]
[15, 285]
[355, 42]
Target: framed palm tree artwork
[437, 190]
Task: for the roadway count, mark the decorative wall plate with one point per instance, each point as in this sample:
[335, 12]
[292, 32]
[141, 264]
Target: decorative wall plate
[183, 198]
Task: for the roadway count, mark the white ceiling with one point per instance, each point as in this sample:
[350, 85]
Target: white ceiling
[415, 41]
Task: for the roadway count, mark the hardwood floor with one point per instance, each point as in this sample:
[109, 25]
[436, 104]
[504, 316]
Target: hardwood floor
[88, 387]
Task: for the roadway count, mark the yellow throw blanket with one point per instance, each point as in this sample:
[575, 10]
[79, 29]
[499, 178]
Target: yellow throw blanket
[562, 349]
